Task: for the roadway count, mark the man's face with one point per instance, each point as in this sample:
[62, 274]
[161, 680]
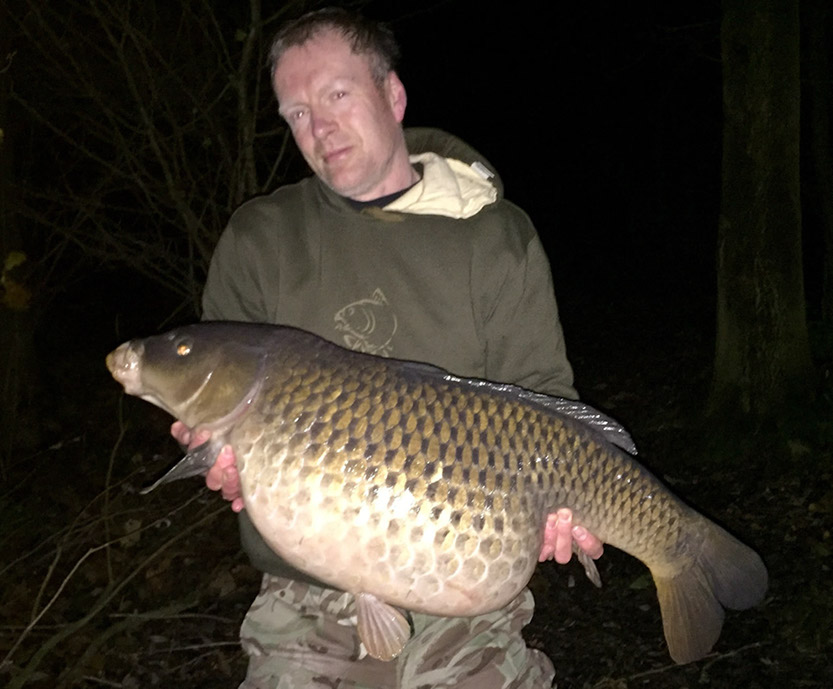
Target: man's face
[345, 124]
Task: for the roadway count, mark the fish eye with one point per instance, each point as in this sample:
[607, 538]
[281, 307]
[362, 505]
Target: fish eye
[183, 348]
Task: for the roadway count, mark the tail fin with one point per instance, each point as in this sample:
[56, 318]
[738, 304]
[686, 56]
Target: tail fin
[726, 573]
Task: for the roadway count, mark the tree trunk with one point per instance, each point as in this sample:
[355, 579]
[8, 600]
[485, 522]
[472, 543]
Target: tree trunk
[17, 365]
[816, 78]
[762, 351]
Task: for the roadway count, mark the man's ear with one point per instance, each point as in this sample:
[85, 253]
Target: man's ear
[397, 97]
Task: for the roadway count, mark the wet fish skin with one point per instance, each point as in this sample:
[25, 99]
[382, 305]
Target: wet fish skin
[424, 490]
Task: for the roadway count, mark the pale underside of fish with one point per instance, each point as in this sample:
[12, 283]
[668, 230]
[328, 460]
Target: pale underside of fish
[417, 490]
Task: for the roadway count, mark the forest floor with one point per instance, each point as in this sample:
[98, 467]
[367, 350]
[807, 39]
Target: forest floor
[102, 587]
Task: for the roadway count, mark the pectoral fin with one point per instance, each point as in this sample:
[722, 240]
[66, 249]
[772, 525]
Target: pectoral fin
[196, 463]
[589, 566]
[383, 629]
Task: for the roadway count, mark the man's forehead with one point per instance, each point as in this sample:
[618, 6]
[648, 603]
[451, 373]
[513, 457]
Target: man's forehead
[326, 55]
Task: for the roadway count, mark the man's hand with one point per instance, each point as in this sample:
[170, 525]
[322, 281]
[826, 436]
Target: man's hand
[182, 434]
[559, 535]
[223, 474]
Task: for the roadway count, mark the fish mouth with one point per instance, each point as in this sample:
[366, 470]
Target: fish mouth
[124, 364]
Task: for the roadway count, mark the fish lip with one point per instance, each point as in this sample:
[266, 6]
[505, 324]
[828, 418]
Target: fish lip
[124, 364]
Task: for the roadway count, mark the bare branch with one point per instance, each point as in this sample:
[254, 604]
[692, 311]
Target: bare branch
[155, 114]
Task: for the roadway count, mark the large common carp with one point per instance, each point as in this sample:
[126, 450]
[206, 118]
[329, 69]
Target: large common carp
[412, 488]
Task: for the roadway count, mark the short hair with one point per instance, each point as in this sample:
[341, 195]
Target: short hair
[366, 37]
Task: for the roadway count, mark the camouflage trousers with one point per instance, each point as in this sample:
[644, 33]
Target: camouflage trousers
[300, 636]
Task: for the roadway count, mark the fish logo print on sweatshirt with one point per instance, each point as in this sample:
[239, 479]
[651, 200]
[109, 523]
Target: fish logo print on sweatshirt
[368, 325]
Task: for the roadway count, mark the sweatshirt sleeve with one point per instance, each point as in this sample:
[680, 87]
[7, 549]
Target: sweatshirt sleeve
[523, 334]
[232, 291]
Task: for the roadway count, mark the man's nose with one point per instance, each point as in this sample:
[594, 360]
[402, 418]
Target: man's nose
[322, 123]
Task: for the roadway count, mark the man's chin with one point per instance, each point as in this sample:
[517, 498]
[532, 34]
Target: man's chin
[344, 187]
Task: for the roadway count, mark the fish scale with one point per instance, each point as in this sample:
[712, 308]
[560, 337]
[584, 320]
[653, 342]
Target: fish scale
[412, 488]
[409, 459]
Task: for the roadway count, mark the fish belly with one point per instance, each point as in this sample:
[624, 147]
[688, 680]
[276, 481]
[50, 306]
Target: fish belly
[361, 537]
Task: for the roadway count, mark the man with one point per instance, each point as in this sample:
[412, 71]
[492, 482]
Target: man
[400, 245]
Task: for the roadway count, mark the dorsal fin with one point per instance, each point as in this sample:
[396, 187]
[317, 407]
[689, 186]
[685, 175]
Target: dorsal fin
[611, 430]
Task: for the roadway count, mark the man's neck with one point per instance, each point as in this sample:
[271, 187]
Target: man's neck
[382, 201]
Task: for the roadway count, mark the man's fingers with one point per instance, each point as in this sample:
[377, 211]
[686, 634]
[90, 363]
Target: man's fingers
[198, 438]
[181, 433]
[588, 543]
[223, 476]
[226, 458]
[231, 488]
[558, 539]
[231, 483]
[215, 479]
[563, 536]
[548, 547]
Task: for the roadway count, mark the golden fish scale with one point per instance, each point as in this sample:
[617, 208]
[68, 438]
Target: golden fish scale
[440, 488]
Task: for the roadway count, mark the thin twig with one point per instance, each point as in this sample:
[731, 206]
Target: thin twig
[118, 628]
[712, 658]
[198, 647]
[104, 599]
[106, 516]
[102, 682]
[183, 616]
[35, 616]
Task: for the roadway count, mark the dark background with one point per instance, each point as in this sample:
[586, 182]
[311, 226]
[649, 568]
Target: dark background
[604, 121]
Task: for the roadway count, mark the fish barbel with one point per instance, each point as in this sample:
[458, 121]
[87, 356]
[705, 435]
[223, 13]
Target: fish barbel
[413, 488]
